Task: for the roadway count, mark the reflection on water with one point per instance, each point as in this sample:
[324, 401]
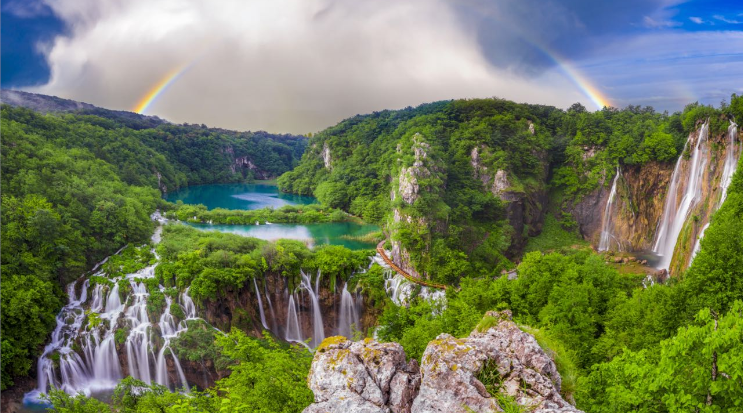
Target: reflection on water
[262, 195]
[331, 233]
[238, 196]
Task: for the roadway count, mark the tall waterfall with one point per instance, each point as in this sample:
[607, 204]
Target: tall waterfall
[731, 160]
[260, 304]
[606, 236]
[308, 297]
[348, 319]
[83, 357]
[676, 212]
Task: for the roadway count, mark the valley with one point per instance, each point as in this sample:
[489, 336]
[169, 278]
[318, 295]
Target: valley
[156, 270]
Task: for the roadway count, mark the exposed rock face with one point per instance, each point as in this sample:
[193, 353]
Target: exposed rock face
[408, 189]
[524, 208]
[364, 376]
[327, 160]
[372, 377]
[636, 211]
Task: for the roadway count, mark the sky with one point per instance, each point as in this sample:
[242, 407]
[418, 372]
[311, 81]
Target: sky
[300, 66]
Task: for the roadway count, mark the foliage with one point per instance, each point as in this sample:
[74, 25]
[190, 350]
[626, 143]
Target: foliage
[303, 214]
[699, 369]
[266, 377]
[198, 344]
[216, 264]
[554, 237]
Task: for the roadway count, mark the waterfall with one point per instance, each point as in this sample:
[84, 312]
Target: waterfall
[317, 325]
[270, 308]
[606, 236]
[675, 213]
[260, 304]
[293, 332]
[349, 315]
[96, 364]
[731, 160]
[697, 244]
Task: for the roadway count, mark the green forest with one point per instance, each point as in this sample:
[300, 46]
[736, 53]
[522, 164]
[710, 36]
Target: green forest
[79, 187]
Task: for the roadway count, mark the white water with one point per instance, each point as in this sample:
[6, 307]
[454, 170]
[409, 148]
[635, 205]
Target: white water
[318, 332]
[676, 213]
[731, 160]
[82, 358]
[260, 305]
[698, 245]
[348, 318]
[606, 236]
[293, 330]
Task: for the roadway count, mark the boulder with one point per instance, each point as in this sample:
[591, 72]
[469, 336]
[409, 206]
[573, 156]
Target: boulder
[364, 376]
[368, 376]
[450, 369]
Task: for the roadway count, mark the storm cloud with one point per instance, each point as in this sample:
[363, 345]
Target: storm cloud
[303, 65]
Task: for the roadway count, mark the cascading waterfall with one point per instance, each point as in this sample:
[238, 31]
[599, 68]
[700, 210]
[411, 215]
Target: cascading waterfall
[260, 304]
[317, 325]
[731, 160]
[675, 213]
[697, 244]
[293, 330]
[96, 365]
[606, 236]
[348, 318]
[270, 308]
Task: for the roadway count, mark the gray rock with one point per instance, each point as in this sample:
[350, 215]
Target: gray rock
[364, 376]
[450, 367]
[368, 376]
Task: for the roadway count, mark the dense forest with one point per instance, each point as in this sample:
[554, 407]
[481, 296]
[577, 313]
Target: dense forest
[78, 187]
[457, 223]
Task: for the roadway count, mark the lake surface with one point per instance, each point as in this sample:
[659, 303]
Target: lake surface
[332, 233]
[262, 195]
[238, 196]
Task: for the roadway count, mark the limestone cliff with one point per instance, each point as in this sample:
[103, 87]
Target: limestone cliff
[635, 212]
[524, 203]
[422, 174]
[648, 196]
[367, 376]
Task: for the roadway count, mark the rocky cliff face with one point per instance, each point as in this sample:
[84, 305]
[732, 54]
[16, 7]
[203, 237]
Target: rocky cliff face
[643, 191]
[368, 376]
[407, 187]
[525, 206]
[242, 309]
[635, 212]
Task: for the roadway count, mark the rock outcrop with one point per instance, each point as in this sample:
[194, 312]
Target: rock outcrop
[524, 206]
[368, 376]
[364, 376]
[407, 187]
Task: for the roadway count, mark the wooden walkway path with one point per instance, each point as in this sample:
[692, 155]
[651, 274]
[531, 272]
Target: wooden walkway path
[383, 253]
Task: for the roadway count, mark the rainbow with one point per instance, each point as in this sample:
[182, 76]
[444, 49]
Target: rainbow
[580, 80]
[157, 90]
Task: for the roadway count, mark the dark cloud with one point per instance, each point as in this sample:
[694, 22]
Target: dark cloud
[523, 34]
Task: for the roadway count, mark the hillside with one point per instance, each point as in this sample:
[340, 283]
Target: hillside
[563, 201]
[463, 186]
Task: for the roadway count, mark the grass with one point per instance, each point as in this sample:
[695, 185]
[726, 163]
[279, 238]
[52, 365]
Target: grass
[554, 237]
[563, 358]
[491, 379]
[372, 237]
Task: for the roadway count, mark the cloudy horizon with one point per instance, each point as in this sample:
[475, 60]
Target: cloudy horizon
[300, 66]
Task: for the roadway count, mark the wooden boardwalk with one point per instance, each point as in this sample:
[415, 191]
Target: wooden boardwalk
[383, 253]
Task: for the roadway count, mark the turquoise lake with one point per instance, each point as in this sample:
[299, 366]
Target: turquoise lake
[262, 195]
[238, 196]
